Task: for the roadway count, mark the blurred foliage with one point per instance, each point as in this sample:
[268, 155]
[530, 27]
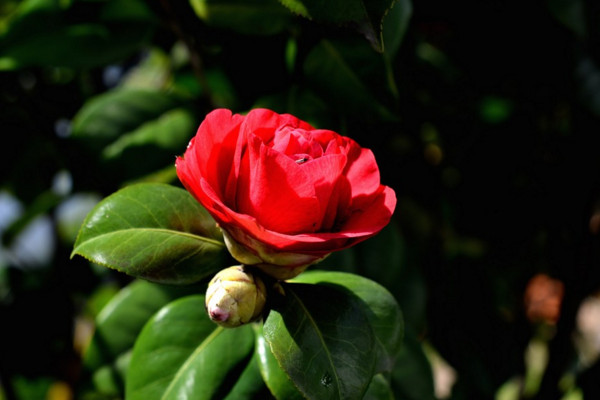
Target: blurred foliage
[483, 116]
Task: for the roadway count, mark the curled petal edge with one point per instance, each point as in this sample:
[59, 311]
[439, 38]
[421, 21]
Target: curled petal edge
[279, 265]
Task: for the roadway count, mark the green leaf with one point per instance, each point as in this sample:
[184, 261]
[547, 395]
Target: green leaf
[379, 389]
[250, 384]
[152, 231]
[249, 17]
[110, 379]
[365, 15]
[41, 33]
[29, 15]
[106, 117]
[322, 339]
[330, 75]
[170, 132]
[123, 317]
[182, 354]
[412, 378]
[395, 24]
[152, 73]
[380, 307]
[301, 102]
[276, 379]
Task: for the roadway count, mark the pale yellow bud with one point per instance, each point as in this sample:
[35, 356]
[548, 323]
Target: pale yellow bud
[235, 297]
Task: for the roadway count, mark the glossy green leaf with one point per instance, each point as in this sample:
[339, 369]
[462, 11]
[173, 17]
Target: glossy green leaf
[123, 317]
[182, 354]
[250, 384]
[365, 15]
[107, 116]
[412, 378]
[250, 17]
[276, 379]
[330, 75]
[153, 231]
[382, 310]
[322, 339]
[379, 389]
[170, 132]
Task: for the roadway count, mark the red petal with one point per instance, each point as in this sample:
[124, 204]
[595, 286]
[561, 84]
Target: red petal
[373, 215]
[325, 172]
[276, 191]
[362, 171]
[215, 146]
[264, 123]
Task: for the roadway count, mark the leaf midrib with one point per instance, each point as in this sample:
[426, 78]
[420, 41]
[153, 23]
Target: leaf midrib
[190, 359]
[313, 323]
[159, 230]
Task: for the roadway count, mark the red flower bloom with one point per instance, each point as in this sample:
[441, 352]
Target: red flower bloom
[284, 193]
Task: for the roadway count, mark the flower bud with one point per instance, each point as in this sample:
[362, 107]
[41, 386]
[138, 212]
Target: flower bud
[235, 297]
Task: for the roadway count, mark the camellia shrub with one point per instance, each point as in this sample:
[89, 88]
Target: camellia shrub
[280, 196]
[379, 199]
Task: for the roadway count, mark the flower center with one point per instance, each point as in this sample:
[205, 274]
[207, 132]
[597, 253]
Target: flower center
[298, 144]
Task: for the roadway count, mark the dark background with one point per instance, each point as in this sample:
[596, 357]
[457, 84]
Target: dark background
[492, 150]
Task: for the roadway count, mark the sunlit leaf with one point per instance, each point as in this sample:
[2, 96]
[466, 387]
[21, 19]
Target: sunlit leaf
[322, 339]
[153, 231]
[123, 317]
[381, 309]
[250, 384]
[170, 132]
[276, 379]
[182, 354]
[106, 117]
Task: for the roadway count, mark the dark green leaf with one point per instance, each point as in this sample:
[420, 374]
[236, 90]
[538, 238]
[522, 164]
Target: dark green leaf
[570, 13]
[110, 379]
[29, 15]
[153, 231]
[41, 33]
[302, 103]
[94, 45]
[379, 389]
[106, 117]
[412, 378]
[182, 354]
[366, 15]
[123, 317]
[171, 131]
[276, 379]
[331, 76]
[322, 339]
[395, 24]
[250, 17]
[381, 309]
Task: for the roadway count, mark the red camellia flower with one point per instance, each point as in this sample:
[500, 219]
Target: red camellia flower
[284, 193]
